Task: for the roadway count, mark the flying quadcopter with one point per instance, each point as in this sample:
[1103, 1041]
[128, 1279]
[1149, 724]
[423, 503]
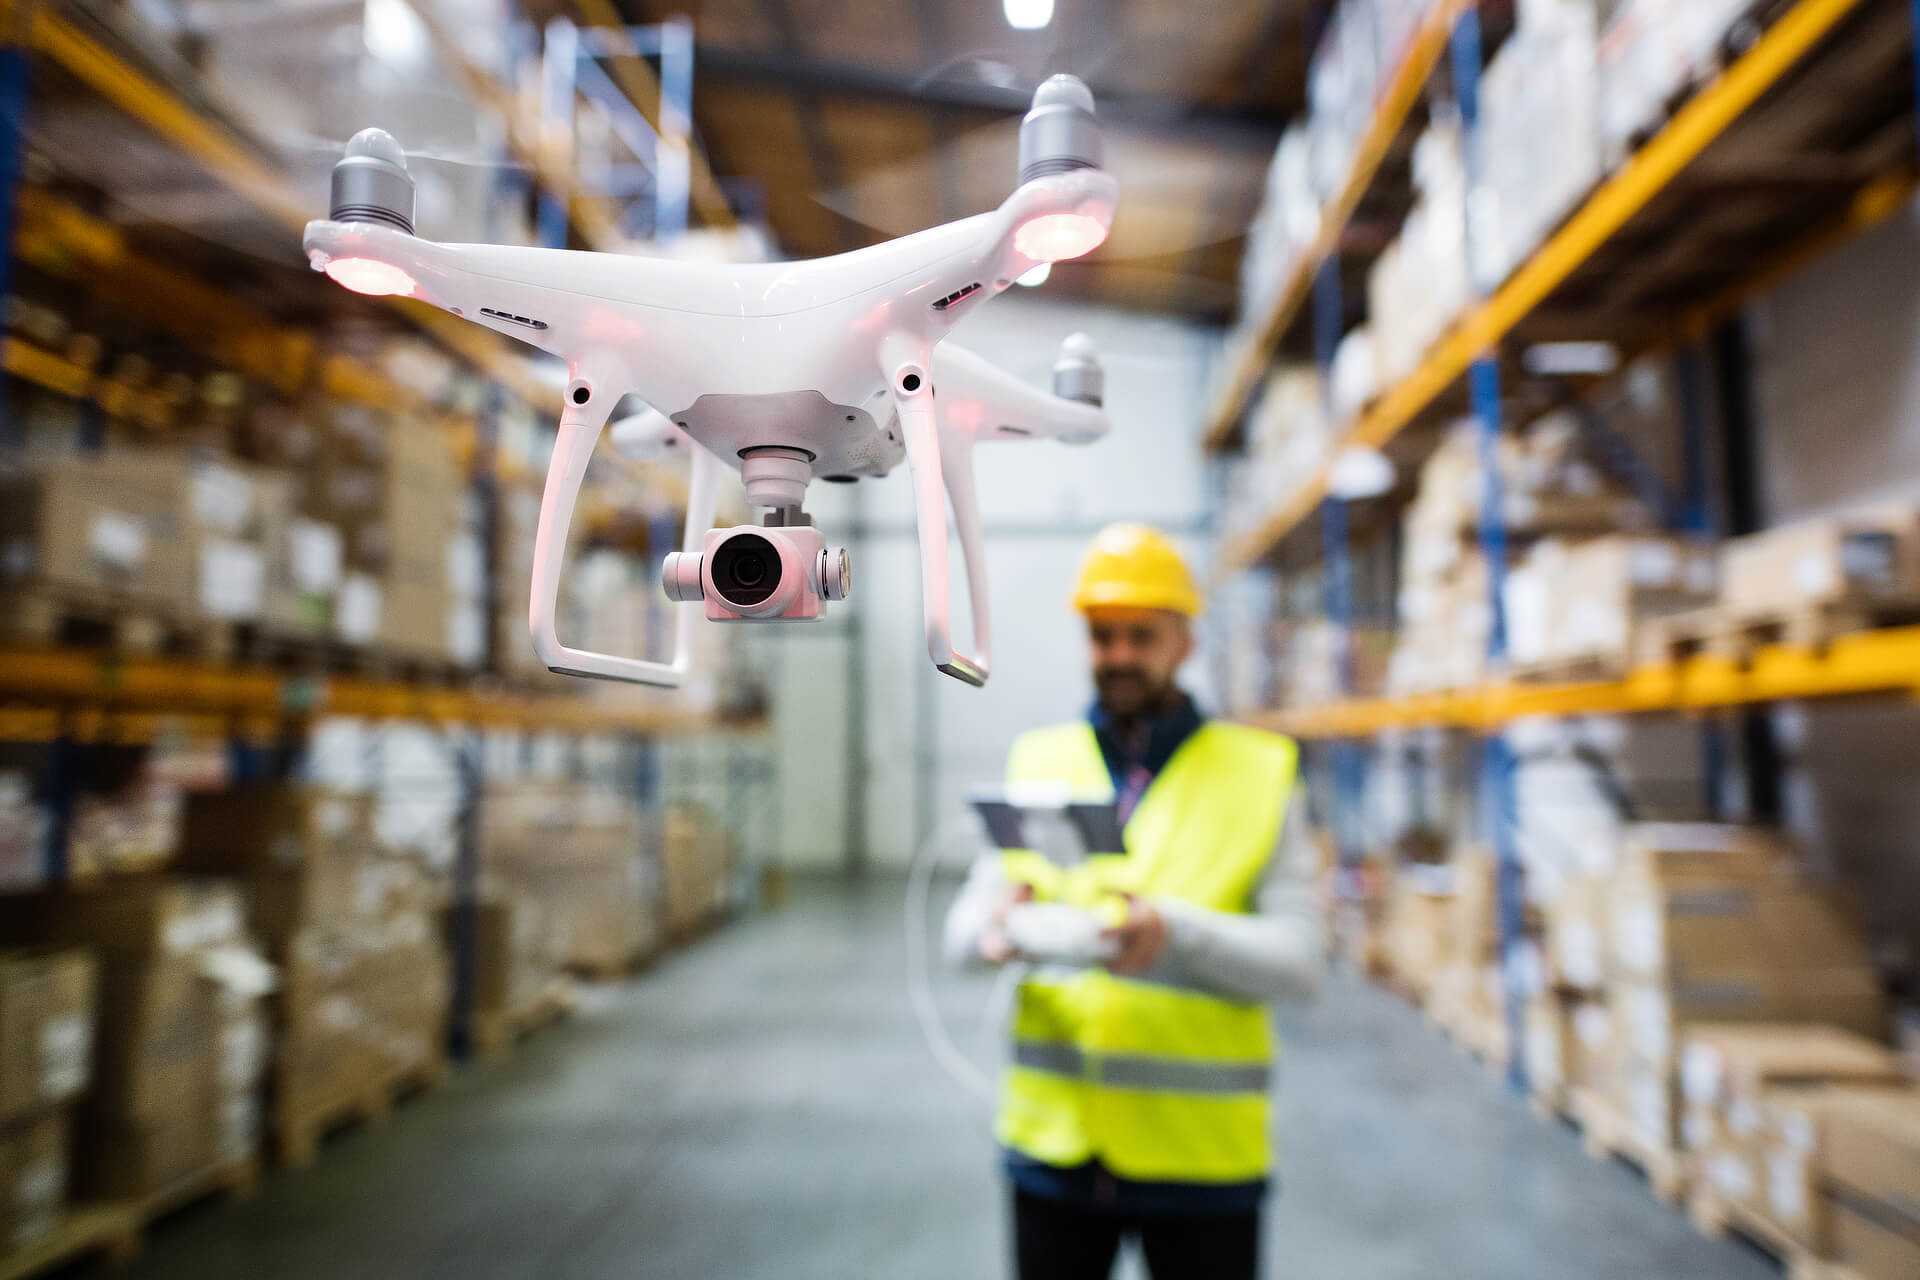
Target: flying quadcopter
[789, 372]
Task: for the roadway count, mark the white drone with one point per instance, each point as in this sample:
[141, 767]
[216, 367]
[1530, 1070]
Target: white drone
[788, 372]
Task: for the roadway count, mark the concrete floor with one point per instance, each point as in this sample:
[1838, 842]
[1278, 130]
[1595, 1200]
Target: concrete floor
[762, 1106]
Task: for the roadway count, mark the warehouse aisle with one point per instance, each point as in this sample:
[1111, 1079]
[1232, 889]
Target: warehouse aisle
[761, 1106]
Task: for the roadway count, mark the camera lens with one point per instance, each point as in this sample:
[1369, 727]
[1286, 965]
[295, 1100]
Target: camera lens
[746, 569]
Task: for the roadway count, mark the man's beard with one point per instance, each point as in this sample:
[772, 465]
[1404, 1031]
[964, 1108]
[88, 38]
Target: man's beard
[1129, 692]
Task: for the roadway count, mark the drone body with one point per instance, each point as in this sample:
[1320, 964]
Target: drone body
[790, 372]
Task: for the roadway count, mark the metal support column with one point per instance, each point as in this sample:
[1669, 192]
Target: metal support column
[1697, 522]
[1336, 567]
[463, 919]
[1745, 513]
[1498, 801]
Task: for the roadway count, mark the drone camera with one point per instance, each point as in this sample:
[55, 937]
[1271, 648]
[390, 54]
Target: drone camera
[760, 574]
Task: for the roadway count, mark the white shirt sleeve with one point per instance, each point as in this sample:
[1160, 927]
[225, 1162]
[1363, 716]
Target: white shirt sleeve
[972, 912]
[1275, 953]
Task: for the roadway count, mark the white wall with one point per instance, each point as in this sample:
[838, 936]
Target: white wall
[928, 738]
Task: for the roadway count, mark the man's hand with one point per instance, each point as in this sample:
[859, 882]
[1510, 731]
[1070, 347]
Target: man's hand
[1142, 937]
[994, 947]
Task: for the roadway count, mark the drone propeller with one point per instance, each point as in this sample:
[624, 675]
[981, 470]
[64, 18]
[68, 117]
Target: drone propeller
[336, 147]
[1168, 188]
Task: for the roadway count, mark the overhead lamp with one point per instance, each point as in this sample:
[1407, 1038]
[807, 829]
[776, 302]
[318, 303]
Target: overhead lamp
[394, 34]
[1359, 471]
[1571, 359]
[1028, 15]
[1035, 277]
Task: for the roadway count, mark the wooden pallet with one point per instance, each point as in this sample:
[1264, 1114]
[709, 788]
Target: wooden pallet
[497, 1030]
[49, 616]
[1584, 669]
[299, 1127]
[114, 1228]
[235, 1180]
[1606, 1135]
[1717, 1217]
[110, 1230]
[1738, 636]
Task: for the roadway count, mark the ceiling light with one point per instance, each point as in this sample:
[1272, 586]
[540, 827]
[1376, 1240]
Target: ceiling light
[1037, 276]
[1571, 359]
[394, 34]
[1028, 15]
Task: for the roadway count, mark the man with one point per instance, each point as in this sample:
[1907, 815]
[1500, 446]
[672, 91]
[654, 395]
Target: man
[1135, 1099]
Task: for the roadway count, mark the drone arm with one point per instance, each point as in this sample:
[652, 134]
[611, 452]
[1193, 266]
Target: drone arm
[905, 362]
[983, 401]
[580, 429]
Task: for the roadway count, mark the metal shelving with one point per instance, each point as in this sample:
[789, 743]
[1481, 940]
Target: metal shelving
[1396, 109]
[1645, 177]
[1885, 662]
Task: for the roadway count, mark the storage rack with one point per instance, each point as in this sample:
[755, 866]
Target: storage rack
[1616, 228]
[67, 698]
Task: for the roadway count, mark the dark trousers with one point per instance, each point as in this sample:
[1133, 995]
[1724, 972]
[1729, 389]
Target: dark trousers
[1061, 1240]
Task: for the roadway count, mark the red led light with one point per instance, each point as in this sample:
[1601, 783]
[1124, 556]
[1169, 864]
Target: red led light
[1054, 237]
[364, 275]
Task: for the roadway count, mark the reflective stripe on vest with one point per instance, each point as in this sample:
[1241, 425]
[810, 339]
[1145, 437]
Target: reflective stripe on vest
[1157, 1081]
[1142, 1071]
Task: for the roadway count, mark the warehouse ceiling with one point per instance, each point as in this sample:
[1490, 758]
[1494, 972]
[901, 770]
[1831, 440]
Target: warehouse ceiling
[848, 124]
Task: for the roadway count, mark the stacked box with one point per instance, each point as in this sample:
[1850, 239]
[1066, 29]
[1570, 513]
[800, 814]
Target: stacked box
[46, 1061]
[1582, 603]
[105, 522]
[698, 865]
[574, 862]
[1417, 931]
[1864, 558]
[1650, 50]
[1708, 927]
[1872, 1184]
[1540, 133]
[179, 1039]
[23, 831]
[234, 519]
[1753, 1098]
[1570, 1043]
[364, 988]
[516, 966]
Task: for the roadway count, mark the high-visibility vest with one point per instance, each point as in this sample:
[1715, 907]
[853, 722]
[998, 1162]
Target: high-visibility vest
[1158, 1082]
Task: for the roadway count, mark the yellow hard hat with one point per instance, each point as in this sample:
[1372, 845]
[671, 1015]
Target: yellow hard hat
[1133, 566]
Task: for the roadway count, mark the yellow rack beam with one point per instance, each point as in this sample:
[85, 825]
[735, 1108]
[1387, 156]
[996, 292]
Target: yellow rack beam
[137, 94]
[1642, 178]
[1423, 54]
[32, 679]
[1864, 663]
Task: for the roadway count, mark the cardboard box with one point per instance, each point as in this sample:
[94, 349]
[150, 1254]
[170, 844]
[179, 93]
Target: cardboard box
[1873, 1155]
[157, 914]
[1860, 558]
[1577, 935]
[33, 1178]
[1870, 1247]
[46, 1028]
[102, 521]
[1730, 1067]
[1795, 1150]
[1607, 587]
[273, 827]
